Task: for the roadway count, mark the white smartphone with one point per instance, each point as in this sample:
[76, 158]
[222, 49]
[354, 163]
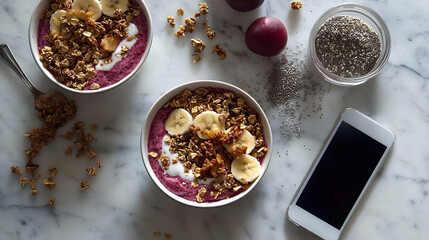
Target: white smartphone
[340, 175]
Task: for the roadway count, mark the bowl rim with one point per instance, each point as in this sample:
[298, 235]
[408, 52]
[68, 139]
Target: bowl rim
[381, 27]
[32, 39]
[194, 85]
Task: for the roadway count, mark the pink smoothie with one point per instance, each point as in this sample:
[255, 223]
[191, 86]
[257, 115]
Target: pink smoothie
[123, 67]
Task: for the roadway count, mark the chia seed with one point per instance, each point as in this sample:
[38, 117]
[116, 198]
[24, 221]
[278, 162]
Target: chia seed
[347, 46]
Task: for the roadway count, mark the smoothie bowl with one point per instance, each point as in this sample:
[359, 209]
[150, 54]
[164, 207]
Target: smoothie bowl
[206, 143]
[90, 46]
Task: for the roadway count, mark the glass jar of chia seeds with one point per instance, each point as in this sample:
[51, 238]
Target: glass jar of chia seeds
[349, 44]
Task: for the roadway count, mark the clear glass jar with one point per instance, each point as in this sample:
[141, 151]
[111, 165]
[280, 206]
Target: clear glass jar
[372, 19]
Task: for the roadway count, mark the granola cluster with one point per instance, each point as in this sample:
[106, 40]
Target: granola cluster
[296, 5]
[207, 158]
[190, 26]
[55, 109]
[81, 42]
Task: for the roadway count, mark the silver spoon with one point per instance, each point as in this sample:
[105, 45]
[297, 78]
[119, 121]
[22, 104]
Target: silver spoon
[52, 107]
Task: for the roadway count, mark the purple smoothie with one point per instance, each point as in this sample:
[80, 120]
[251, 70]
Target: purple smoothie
[174, 183]
[123, 67]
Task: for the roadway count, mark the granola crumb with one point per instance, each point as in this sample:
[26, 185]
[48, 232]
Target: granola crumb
[51, 202]
[170, 20]
[24, 181]
[296, 5]
[94, 86]
[153, 154]
[84, 185]
[34, 192]
[36, 176]
[210, 33]
[69, 151]
[219, 51]
[180, 32]
[204, 9]
[99, 164]
[49, 183]
[93, 127]
[201, 194]
[198, 45]
[91, 171]
[194, 183]
[16, 170]
[180, 12]
[197, 58]
[168, 235]
[157, 234]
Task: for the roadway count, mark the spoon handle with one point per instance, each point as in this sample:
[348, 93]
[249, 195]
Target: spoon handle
[8, 58]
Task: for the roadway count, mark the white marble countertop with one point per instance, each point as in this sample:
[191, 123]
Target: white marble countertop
[123, 203]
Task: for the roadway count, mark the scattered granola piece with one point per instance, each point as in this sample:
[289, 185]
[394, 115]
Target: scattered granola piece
[180, 32]
[84, 185]
[204, 9]
[190, 24]
[51, 202]
[16, 170]
[93, 127]
[198, 45]
[197, 58]
[36, 176]
[296, 5]
[24, 181]
[210, 33]
[180, 12]
[69, 151]
[91, 171]
[168, 235]
[157, 234]
[170, 20]
[91, 154]
[34, 191]
[201, 194]
[49, 183]
[99, 164]
[219, 51]
[94, 86]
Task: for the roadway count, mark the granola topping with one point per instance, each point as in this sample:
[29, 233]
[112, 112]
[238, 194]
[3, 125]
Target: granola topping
[208, 160]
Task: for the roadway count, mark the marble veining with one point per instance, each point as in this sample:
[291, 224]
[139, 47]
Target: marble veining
[122, 201]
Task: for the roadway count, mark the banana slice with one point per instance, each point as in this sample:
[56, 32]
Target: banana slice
[108, 7]
[246, 139]
[245, 168]
[178, 122]
[55, 22]
[92, 6]
[208, 124]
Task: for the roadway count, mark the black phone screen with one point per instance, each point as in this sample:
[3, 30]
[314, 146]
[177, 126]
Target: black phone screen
[341, 175]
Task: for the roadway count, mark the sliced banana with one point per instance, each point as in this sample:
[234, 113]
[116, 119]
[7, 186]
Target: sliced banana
[208, 125]
[178, 122]
[108, 7]
[246, 139]
[55, 22]
[92, 6]
[245, 168]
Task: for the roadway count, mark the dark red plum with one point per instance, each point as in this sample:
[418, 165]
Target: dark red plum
[244, 5]
[266, 36]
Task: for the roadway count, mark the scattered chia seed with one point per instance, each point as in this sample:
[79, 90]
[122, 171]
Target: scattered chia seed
[347, 46]
[293, 92]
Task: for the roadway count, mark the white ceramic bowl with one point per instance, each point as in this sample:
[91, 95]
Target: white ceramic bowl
[192, 86]
[32, 35]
